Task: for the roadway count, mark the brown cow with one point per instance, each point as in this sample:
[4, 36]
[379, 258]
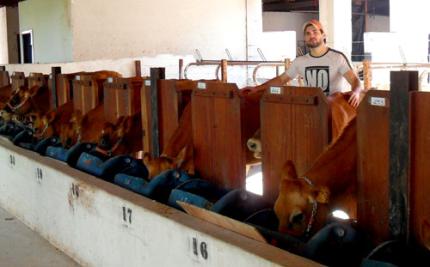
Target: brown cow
[33, 99]
[305, 202]
[52, 123]
[178, 152]
[83, 128]
[123, 137]
[5, 94]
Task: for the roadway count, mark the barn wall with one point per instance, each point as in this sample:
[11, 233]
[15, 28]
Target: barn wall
[4, 58]
[50, 22]
[287, 21]
[132, 28]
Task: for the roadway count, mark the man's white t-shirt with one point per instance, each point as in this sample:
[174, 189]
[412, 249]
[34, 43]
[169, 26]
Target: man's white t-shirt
[325, 71]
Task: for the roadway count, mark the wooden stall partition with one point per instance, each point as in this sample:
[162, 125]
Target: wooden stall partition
[18, 79]
[37, 79]
[219, 133]
[64, 88]
[420, 168]
[87, 93]
[373, 164]
[173, 96]
[294, 126]
[4, 78]
[121, 97]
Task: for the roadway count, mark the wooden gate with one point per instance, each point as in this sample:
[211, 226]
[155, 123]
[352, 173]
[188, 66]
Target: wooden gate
[37, 79]
[18, 80]
[173, 96]
[121, 97]
[373, 164]
[220, 132]
[87, 93]
[294, 126]
[4, 78]
[420, 168]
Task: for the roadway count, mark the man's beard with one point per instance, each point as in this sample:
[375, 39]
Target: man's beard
[314, 44]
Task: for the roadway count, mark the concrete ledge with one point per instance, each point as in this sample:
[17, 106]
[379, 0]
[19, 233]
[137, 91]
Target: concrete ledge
[101, 224]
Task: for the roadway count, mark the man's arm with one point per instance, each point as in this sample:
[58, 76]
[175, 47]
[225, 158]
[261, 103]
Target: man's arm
[279, 80]
[355, 87]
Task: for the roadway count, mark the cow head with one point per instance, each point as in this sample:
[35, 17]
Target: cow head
[254, 144]
[123, 137]
[42, 124]
[297, 202]
[183, 161]
[18, 97]
[70, 132]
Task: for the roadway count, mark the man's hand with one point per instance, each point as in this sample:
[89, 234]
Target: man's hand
[354, 99]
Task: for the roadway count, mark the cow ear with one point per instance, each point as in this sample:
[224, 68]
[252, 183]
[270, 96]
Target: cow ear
[181, 157]
[321, 194]
[288, 171]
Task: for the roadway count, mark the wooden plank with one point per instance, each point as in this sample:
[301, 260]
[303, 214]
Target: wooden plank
[87, 93]
[37, 79]
[145, 100]
[225, 222]
[156, 74]
[420, 169]
[401, 83]
[18, 80]
[4, 78]
[64, 88]
[373, 163]
[121, 97]
[219, 145]
[54, 93]
[294, 126]
[173, 96]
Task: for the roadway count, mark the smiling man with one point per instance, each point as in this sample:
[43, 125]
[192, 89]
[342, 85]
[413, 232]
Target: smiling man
[322, 67]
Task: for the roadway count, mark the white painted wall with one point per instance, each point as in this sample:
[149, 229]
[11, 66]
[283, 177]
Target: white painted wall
[90, 227]
[50, 22]
[377, 23]
[131, 28]
[287, 21]
[335, 16]
[4, 58]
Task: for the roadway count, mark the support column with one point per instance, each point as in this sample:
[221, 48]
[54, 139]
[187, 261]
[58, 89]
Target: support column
[9, 27]
[335, 15]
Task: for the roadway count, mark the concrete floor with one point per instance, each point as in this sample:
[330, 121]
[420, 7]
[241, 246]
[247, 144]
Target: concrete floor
[20, 246]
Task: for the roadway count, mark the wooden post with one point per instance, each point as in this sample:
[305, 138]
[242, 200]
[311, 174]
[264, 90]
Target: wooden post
[402, 82]
[54, 98]
[138, 68]
[181, 66]
[156, 74]
[367, 74]
[287, 63]
[224, 71]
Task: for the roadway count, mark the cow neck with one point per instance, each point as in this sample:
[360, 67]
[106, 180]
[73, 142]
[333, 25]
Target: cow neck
[109, 152]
